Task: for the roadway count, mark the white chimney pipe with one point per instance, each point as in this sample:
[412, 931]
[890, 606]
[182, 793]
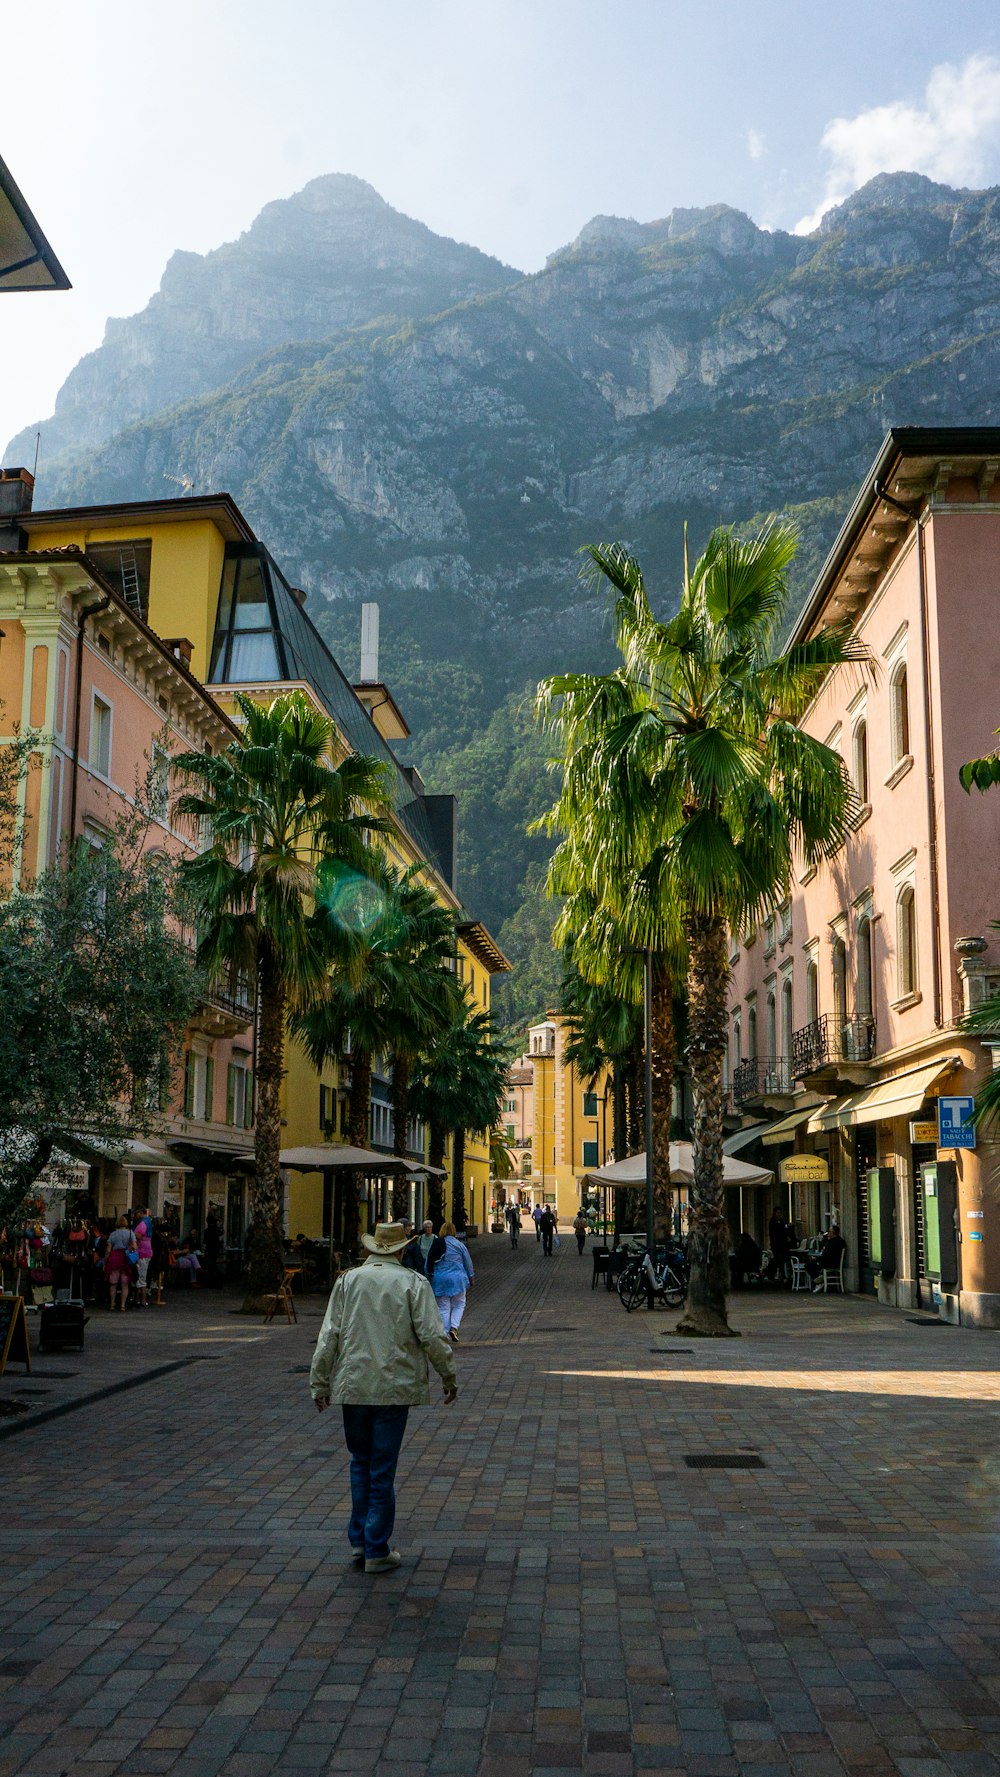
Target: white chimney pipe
[369, 644]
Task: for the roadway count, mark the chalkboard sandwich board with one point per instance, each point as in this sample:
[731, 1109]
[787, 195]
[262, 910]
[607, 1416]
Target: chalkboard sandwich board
[13, 1333]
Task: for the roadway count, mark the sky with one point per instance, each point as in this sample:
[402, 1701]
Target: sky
[134, 128]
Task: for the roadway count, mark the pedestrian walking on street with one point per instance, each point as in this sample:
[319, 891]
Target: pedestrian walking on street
[512, 1216]
[121, 1256]
[426, 1242]
[143, 1231]
[413, 1258]
[451, 1276]
[381, 1327]
[547, 1228]
[580, 1230]
[536, 1216]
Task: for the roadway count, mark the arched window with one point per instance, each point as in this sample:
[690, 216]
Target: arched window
[864, 999]
[752, 1034]
[772, 1035]
[839, 983]
[899, 707]
[737, 1044]
[861, 760]
[812, 993]
[786, 1033]
[906, 944]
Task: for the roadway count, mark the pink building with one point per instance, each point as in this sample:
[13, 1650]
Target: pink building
[846, 1002]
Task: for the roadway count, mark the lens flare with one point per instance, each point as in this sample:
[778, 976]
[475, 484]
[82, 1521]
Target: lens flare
[352, 900]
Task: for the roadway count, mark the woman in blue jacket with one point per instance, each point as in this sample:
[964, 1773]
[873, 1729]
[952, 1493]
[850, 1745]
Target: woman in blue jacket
[449, 1268]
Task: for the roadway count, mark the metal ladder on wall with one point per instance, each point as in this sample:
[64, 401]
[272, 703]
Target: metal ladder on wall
[130, 582]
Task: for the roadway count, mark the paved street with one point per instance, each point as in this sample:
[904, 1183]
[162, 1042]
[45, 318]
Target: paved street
[574, 1597]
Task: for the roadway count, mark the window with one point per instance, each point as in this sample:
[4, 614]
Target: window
[865, 983]
[512, 1104]
[590, 1154]
[159, 783]
[327, 1108]
[772, 1035]
[769, 935]
[590, 1104]
[509, 1131]
[784, 922]
[199, 1085]
[737, 1044]
[906, 943]
[899, 709]
[752, 1034]
[812, 993]
[786, 1017]
[100, 737]
[861, 760]
[840, 982]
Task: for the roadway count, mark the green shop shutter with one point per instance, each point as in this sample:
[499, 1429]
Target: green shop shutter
[231, 1094]
[248, 1101]
[209, 1088]
[188, 1084]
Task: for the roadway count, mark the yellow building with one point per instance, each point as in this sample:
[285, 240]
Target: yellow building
[193, 570]
[571, 1121]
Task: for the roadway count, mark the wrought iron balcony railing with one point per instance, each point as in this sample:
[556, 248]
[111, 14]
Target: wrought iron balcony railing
[825, 1041]
[759, 1078]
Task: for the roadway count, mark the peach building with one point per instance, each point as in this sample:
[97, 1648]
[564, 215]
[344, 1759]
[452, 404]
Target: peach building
[846, 1002]
[109, 700]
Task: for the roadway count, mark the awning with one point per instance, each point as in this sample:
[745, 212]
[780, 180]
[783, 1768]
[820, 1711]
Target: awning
[213, 1155]
[27, 262]
[741, 1138]
[785, 1127]
[902, 1096]
[138, 1155]
[339, 1157]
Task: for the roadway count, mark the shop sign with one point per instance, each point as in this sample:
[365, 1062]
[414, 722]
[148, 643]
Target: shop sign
[804, 1169]
[975, 1234]
[955, 1126]
[975, 1215]
[924, 1134]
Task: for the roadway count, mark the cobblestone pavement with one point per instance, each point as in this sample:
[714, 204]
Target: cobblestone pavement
[574, 1597]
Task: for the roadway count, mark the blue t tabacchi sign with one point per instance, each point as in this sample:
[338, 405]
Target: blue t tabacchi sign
[955, 1126]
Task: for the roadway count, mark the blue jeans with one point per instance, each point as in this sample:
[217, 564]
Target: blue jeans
[374, 1436]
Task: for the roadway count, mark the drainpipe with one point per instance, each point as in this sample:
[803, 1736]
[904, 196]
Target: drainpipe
[932, 827]
[88, 611]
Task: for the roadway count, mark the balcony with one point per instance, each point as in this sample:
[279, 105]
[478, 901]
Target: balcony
[765, 1083]
[829, 1054]
[220, 1014]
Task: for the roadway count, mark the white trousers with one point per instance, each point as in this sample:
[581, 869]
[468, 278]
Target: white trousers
[452, 1309]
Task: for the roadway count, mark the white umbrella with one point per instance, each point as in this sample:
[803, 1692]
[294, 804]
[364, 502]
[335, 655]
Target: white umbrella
[632, 1171]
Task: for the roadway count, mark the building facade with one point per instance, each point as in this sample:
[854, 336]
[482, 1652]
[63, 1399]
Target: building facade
[562, 1125]
[846, 1002]
[191, 579]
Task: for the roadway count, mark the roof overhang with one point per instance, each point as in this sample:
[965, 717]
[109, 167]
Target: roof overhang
[27, 262]
[220, 508]
[914, 464]
[483, 946]
[900, 1096]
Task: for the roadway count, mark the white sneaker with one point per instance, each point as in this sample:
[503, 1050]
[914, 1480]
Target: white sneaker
[384, 1563]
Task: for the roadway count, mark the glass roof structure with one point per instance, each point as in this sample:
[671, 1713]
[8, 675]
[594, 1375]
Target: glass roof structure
[27, 262]
[262, 634]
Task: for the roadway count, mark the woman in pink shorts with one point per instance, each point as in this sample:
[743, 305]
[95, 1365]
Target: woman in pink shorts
[117, 1264]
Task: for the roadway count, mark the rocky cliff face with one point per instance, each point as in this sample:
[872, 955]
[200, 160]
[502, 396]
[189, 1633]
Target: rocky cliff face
[453, 461]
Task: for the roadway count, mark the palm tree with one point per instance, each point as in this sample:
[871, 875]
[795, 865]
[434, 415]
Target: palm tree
[459, 1086]
[274, 809]
[428, 949]
[713, 789]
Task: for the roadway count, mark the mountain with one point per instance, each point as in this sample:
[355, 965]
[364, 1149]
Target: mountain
[412, 422]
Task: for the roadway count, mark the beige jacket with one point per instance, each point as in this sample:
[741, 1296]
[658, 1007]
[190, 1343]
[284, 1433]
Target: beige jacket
[381, 1326]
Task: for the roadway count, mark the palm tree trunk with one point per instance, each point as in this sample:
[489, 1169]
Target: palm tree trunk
[435, 1183]
[708, 1242]
[358, 1116]
[264, 1249]
[663, 1063]
[458, 1214]
[400, 1119]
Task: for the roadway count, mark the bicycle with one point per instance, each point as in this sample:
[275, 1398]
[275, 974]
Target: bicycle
[669, 1282]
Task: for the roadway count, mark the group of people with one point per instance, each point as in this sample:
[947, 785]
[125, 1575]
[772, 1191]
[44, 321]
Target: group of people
[117, 1261]
[444, 1260]
[750, 1265]
[546, 1227]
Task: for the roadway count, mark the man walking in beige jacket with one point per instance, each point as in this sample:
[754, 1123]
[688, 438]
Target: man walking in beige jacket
[381, 1326]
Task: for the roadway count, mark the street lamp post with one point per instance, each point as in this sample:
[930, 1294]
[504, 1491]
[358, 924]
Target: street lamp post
[647, 994]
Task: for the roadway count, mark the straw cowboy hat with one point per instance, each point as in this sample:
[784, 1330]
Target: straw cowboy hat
[388, 1238]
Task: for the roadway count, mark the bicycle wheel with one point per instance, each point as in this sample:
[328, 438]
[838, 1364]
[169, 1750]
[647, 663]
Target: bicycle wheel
[626, 1278]
[673, 1290]
[634, 1295]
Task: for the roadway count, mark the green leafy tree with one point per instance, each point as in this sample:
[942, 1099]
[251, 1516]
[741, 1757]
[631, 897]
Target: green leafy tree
[459, 1086]
[390, 988]
[713, 787]
[96, 987]
[287, 862]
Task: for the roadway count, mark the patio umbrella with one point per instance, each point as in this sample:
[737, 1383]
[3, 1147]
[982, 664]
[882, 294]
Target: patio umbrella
[632, 1171]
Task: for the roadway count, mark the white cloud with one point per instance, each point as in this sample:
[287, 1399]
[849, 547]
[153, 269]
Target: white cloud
[952, 136]
[756, 144]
